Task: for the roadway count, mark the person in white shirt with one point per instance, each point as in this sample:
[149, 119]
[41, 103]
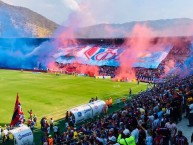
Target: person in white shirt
[173, 129]
[51, 123]
[6, 135]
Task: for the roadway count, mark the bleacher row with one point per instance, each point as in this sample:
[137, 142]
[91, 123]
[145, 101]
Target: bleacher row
[146, 119]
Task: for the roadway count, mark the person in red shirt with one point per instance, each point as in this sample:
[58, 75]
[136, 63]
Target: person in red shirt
[158, 140]
[50, 140]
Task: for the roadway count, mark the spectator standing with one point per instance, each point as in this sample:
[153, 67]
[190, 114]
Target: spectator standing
[44, 139]
[130, 92]
[135, 134]
[55, 129]
[32, 125]
[50, 140]
[35, 119]
[165, 132]
[66, 118]
[156, 122]
[48, 130]
[30, 114]
[112, 141]
[29, 122]
[101, 139]
[51, 123]
[6, 135]
[190, 117]
[126, 138]
[142, 137]
[158, 140]
[149, 138]
[172, 127]
[179, 139]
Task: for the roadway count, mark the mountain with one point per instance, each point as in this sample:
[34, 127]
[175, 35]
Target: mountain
[21, 22]
[159, 28]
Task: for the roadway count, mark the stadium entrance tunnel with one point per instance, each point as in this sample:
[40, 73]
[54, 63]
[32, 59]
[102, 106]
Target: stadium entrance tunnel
[22, 135]
[87, 111]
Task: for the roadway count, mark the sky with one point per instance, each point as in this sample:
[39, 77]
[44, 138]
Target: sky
[108, 11]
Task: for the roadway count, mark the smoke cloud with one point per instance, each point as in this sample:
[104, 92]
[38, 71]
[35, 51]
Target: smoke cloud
[140, 42]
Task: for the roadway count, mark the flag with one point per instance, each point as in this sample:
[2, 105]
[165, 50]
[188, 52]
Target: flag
[18, 115]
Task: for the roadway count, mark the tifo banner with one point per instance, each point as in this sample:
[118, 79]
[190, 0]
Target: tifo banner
[93, 55]
[106, 55]
[152, 60]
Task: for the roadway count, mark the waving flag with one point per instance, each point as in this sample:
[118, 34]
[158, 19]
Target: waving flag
[18, 116]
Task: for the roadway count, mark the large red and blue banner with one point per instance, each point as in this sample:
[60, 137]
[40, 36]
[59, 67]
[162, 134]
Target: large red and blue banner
[107, 55]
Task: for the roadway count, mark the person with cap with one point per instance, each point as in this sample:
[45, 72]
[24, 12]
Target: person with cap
[126, 138]
[112, 141]
[101, 139]
[75, 134]
[180, 139]
[50, 140]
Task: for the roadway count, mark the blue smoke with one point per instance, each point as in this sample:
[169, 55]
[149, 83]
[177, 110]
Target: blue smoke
[186, 68]
[25, 53]
[188, 63]
[17, 52]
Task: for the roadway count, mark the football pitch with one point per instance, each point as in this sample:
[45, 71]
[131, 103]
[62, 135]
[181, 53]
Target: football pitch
[50, 95]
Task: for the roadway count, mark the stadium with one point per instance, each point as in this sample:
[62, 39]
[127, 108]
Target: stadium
[66, 89]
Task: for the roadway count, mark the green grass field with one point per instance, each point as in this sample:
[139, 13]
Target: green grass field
[51, 96]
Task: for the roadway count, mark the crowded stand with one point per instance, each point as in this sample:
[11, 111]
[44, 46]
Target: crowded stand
[150, 118]
[104, 53]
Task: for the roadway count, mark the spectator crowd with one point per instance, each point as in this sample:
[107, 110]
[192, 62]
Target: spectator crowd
[150, 118]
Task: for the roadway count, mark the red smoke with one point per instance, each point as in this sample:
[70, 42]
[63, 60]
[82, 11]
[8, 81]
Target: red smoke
[82, 69]
[170, 64]
[53, 67]
[137, 45]
[88, 70]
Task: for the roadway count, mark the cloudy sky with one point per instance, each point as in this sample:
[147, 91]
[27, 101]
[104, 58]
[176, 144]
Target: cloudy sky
[108, 11]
